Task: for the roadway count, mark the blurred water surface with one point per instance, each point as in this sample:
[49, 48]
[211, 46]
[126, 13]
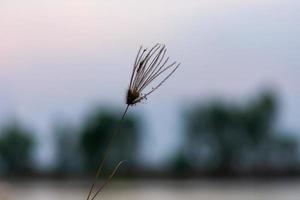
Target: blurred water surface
[206, 190]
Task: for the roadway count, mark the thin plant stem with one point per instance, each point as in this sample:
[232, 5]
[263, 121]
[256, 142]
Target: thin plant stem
[148, 66]
[99, 169]
[108, 179]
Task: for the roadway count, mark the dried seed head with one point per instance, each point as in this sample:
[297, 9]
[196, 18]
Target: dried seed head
[148, 66]
[131, 97]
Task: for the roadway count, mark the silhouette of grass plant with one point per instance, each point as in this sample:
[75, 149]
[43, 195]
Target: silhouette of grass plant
[149, 65]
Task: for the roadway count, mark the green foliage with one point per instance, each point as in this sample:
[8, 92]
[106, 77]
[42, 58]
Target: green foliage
[225, 138]
[16, 145]
[95, 136]
[68, 154]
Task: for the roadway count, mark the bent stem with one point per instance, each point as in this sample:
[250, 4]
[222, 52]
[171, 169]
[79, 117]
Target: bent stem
[108, 179]
[99, 169]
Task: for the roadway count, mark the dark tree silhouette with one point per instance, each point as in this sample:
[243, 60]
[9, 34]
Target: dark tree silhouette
[95, 135]
[16, 145]
[226, 138]
[68, 157]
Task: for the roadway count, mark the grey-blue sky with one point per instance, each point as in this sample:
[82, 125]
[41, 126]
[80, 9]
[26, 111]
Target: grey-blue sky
[60, 57]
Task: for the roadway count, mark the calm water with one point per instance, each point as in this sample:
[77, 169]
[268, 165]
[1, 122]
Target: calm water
[154, 190]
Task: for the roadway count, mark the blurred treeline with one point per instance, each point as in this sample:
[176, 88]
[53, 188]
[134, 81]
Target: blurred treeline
[220, 139]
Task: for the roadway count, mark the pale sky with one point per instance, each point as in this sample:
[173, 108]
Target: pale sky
[60, 57]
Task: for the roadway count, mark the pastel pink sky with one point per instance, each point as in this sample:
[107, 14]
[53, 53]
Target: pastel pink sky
[58, 57]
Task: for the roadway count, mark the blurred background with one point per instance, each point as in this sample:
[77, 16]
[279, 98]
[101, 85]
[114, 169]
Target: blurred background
[225, 126]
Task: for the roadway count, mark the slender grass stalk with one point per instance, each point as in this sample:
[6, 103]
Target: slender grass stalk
[108, 179]
[99, 169]
[148, 66]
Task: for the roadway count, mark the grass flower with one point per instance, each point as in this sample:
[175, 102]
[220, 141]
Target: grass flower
[149, 66]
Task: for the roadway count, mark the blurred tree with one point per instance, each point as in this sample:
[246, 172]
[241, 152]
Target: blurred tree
[68, 156]
[219, 136]
[16, 145]
[96, 133]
